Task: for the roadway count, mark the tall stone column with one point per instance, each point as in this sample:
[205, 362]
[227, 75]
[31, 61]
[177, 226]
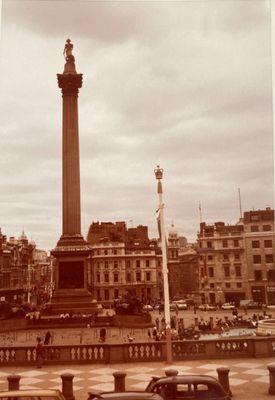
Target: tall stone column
[72, 252]
[70, 82]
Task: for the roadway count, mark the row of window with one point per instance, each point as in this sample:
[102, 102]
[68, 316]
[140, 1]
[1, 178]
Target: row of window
[129, 277]
[256, 244]
[129, 263]
[257, 258]
[108, 296]
[225, 257]
[225, 243]
[256, 228]
[211, 272]
[107, 252]
[227, 285]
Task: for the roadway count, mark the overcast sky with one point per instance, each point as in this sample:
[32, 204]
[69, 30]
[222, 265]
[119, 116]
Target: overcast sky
[186, 85]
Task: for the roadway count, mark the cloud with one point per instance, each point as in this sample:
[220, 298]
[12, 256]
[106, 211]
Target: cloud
[186, 85]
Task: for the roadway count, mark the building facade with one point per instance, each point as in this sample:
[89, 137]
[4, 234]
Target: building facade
[123, 260]
[259, 240]
[223, 273]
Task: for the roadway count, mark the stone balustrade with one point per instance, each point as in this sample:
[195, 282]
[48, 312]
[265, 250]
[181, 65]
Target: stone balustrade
[149, 351]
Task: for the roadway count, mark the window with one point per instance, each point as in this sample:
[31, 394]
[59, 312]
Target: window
[226, 271]
[257, 259]
[106, 278]
[238, 271]
[224, 243]
[116, 293]
[209, 245]
[236, 243]
[98, 265]
[128, 264]
[258, 275]
[227, 285]
[147, 263]
[115, 251]
[269, 258]
[202, 271]
[254, 217]
[239, 285]
[128, 277]
[137, 263]
[268, 243]
[148, 276]
[115, 264]
[237, 256]
[138, 276]
[225, 257]
[106, 294]
[254, 228]
[210, 258]
[115, 278]
[98, 278]
[255, 244]
[266, 227]
[106, 264]
[105, 252]
[212, 285]
[211, 272]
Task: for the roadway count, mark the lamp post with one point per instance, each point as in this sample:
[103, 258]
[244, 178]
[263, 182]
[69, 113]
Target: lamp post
[159, 174]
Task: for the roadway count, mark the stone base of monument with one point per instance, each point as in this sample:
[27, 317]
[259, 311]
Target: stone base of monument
[132, 321]
[74, 301]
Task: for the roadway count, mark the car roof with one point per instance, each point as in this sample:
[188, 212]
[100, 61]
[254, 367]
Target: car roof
[189, 379]
[29, 393]
[131, 395]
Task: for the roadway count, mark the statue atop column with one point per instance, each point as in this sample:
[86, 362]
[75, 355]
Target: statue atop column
[69, 57]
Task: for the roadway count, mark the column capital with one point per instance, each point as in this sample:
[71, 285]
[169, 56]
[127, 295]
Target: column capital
[69, 83]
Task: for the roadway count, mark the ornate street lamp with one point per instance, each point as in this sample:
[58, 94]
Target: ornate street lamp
[159, 175]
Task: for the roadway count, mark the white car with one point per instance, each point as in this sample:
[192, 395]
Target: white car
[147, 307]
[227, 306]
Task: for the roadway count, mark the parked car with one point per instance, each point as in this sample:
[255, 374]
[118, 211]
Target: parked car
[195, 387]
[147, 307]
[227, 306]
[249, 304]
[180, 305]
[41, 394]
[207, 307]
[124, 396]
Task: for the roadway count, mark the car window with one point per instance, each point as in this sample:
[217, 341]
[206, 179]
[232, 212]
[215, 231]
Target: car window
[203, 391]
[185, 391]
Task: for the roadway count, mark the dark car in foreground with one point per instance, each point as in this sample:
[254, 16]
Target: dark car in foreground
[191, 387]
[129, 395]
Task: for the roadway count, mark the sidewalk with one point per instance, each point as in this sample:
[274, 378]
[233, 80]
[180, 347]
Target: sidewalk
[249, 378]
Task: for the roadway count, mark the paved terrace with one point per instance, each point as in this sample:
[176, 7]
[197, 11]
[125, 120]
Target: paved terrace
[249, 378]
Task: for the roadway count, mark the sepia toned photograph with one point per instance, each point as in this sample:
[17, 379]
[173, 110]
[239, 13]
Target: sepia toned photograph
[137, 241]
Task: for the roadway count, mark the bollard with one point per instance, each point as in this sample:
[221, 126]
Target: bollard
[223, 378]
[67, 386]
[119, 381]
[13, 382]
[171, 372]
[211, 323]
[271, 368]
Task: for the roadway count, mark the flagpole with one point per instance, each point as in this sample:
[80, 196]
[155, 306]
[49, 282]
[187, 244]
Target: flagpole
[159, 175]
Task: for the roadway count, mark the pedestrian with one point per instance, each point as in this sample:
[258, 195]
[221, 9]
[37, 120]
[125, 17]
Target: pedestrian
[39, 352]
[149, 333]
[47, 338]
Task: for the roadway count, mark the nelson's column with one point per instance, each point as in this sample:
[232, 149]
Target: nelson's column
[72, 251]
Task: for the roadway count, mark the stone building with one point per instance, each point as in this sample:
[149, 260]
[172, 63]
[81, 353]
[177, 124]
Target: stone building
[123, 260]
[19, 268]
[222, 263]
[259, 244]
